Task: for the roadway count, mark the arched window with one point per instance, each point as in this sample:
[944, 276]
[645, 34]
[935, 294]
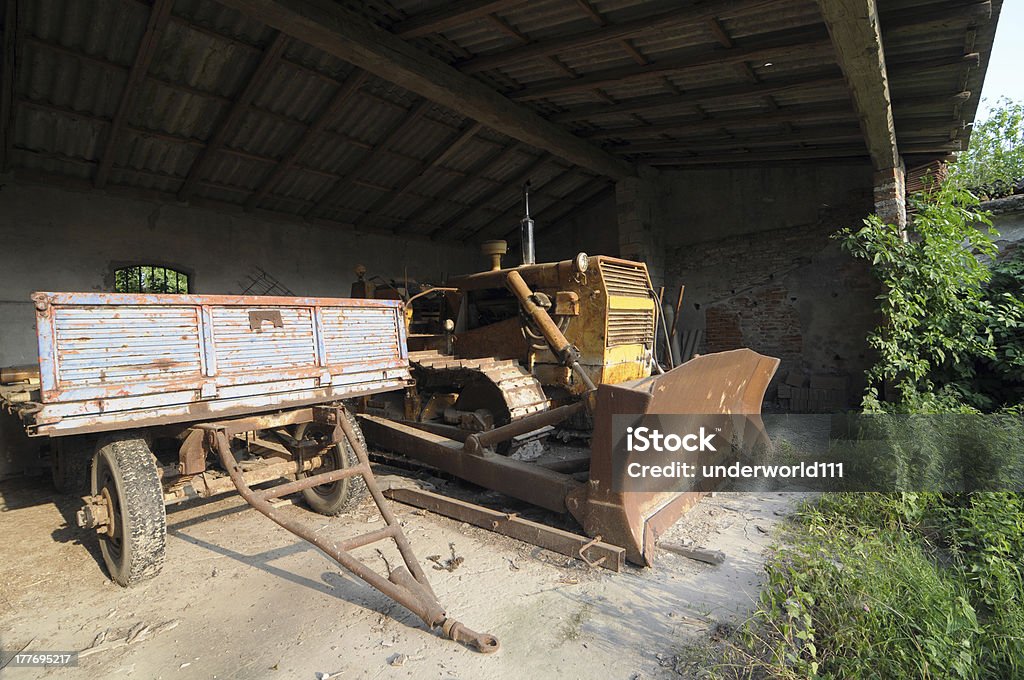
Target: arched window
[146, 278]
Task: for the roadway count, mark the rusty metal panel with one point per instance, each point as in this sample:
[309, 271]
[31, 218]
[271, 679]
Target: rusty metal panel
[111, 361]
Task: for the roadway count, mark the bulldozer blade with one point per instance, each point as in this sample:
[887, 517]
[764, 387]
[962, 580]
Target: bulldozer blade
[727, 383]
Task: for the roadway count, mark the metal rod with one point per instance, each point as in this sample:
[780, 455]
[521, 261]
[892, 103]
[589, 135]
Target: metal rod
[410, 594]
[482, 440]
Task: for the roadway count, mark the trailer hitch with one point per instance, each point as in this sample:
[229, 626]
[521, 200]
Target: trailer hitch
[407, 585]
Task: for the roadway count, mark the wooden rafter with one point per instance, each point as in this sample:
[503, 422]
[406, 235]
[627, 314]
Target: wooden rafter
[230, 121]
[857, 36]
[475, 170]
[312, 133]
[449, 15]
[7, 100]
[607, 33]
[818, 134]
[345, 34]
[340, 186]
[705, 95]
[445, 150]
[797, 114]
[516, 209]
[155, 27]
[518, 178]
[578, 199]
[801, 42]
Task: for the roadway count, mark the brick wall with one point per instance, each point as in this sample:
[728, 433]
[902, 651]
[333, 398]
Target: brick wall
[789, 293]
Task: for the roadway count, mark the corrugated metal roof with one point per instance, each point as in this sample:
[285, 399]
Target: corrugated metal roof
[74, 58]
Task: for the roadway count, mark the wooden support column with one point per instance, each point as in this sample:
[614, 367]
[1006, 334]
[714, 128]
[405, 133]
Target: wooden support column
[856, 34]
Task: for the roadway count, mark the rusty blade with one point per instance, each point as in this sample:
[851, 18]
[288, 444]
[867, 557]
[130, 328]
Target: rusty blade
[731, 382]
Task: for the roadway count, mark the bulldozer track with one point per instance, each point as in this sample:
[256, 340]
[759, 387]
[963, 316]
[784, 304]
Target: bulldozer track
[521, 392]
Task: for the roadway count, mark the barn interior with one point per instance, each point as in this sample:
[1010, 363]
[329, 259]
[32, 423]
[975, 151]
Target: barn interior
[274, 147]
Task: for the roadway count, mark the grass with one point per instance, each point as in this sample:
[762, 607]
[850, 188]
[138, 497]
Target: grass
[891, 586]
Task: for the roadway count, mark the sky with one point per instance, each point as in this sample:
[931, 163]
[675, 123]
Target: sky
[1005, 76]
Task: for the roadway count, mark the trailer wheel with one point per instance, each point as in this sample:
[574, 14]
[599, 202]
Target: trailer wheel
[70, 458]
[336, 497]
[124, 473]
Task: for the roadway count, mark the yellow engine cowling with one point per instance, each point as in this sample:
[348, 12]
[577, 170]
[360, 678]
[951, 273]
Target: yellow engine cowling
[605, 309]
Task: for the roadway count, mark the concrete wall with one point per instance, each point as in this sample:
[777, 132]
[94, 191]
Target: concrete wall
[58, 240]
[592, 230]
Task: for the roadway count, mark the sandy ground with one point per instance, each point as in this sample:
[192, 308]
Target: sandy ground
[240, 598]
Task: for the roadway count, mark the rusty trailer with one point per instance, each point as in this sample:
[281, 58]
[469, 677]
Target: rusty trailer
[163, 398]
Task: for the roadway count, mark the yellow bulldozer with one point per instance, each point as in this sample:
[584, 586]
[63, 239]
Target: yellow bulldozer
[502, 357]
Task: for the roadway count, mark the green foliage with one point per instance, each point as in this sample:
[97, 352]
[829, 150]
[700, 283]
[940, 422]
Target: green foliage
[944, 317]
[892, 586]
[994, 160]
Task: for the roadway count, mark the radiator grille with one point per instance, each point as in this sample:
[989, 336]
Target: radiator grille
[630, 327]
[625, 279]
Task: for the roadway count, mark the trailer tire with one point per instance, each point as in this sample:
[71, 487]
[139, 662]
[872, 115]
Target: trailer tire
[70, 460]
[125, 469]
[336, 497]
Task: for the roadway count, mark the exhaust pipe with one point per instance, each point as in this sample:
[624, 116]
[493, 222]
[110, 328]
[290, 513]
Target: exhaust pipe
[526, 230]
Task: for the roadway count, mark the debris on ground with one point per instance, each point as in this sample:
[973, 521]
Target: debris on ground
[138, 633]
[450, 564]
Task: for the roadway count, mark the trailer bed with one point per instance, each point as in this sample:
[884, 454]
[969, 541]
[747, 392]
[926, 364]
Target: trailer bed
[116, 361]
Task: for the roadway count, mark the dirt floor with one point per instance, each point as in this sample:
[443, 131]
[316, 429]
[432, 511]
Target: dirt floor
[240, 598]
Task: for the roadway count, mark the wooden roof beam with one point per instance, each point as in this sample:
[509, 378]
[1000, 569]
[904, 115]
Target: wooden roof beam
[518, 178]
[856, 35]
[345, 34]
[578, 199]
[230, 121]
[607, 33]
[446, 150]
[801, 42]
[159, 16]
[496, 156]
[451, 14]
[704, 95]
[517, 208]
[340, 186]
[326, 116]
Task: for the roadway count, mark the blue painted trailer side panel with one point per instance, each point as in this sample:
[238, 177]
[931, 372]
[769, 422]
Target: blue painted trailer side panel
[110, 361]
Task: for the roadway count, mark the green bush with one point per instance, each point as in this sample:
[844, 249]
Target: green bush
[892, 586]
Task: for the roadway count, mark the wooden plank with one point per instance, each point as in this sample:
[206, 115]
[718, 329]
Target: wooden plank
[158, 19]
[857, 37]
[608, 33]
[230, 121]
[449, 15]
[594, 552]
[328, 114]
[345, 34]
[7, 82]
